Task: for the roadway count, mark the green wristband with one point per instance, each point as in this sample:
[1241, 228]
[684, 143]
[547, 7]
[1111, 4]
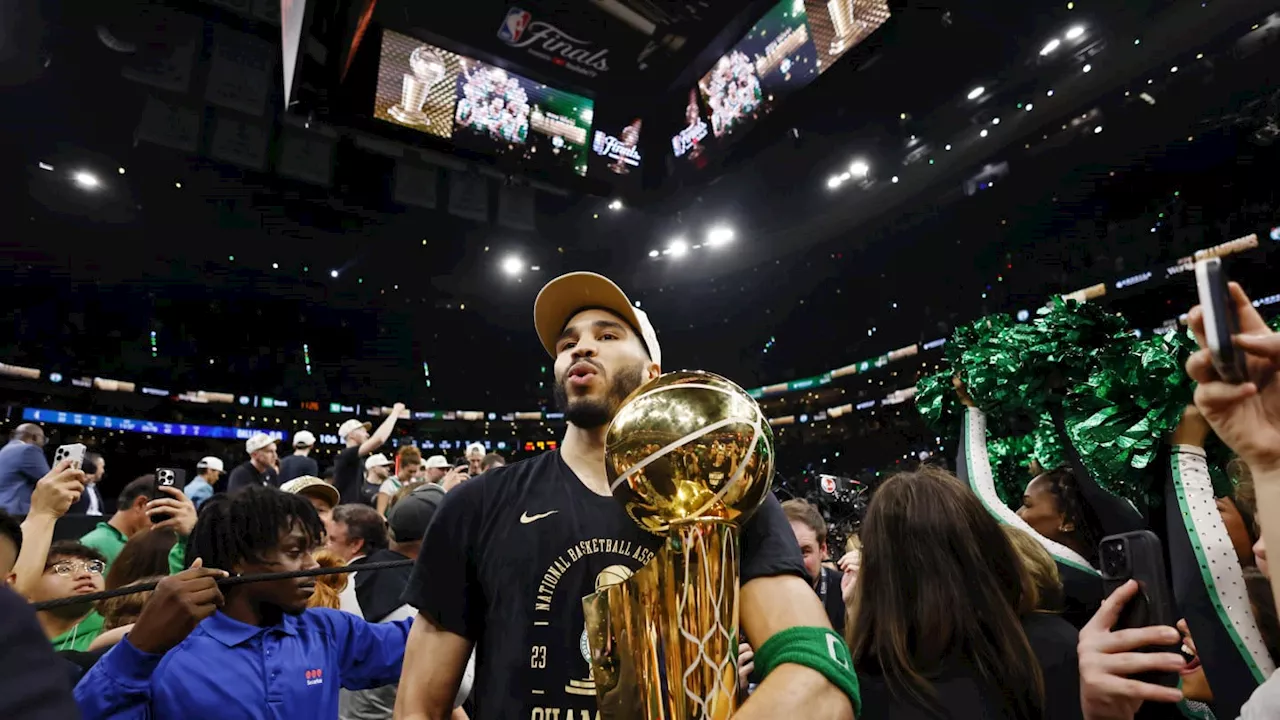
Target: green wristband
[816, 648]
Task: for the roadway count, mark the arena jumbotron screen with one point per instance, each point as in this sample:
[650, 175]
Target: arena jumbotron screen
[788, 48]
[480, 106]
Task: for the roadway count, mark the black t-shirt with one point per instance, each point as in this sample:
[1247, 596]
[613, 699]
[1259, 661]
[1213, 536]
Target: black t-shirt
[962, 695]
[719, 470]
[379, 592]
[295, 466]
[368, 493]
[832, 599]
[508, 559]
[348, 476]
[245, 474]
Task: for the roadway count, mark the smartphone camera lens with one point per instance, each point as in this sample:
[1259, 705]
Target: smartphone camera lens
[1114, 558]
[164, 477]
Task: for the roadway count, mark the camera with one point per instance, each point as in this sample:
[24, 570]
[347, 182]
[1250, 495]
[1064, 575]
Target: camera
[1115, 558]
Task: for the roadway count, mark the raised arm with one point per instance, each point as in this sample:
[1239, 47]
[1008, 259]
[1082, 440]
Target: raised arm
[1208, 584]
[1246, 416]
[54, 494]
[1115, 514]
[383, 433]
[975, 468]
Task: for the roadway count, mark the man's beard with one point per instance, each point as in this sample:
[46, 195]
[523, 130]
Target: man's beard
[591, 413]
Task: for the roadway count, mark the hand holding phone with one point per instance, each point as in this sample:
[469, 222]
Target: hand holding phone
[1221, 324]
[175, 478]
[1139, 556]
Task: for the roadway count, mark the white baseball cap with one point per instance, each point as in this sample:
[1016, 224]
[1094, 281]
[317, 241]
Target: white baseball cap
[376, 460]
[436, 461]
[476, 447]
[303, 438]
[565, 296]
[210, 463]
[257, 442]
[350, 426]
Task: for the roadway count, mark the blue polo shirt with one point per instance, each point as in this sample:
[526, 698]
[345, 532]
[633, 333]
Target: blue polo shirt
[227, 669]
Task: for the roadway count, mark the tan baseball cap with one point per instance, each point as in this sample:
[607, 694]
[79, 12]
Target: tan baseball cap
[569, 294]
[312, 485]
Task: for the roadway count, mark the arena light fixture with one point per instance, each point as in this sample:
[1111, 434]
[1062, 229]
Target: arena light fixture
[719, 235]
[1087, 67]
[120, 170]
[615, 204]
[893, 179]
[86, 179]
[984, 133]
[45, 166]
[859, 168]
[834, 182]
[976, 93]
[1075, 32]
[512, 265]
[1050, 46]
[333, 273]
[679, 247]
[654, 253]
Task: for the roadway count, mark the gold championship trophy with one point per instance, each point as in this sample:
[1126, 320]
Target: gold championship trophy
[664, 642]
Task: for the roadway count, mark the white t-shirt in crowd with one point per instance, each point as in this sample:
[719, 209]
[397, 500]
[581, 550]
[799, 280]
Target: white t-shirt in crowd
[390, 487]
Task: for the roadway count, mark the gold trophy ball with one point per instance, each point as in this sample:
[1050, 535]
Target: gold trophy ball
[612, 575]
[689, 446]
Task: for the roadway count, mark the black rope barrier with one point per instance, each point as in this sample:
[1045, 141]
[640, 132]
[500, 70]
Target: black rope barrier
[222, 582]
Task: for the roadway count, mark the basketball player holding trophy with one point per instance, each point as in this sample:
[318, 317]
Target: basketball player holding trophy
[513, 555]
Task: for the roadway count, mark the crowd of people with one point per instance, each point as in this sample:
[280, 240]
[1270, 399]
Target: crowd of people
[948, 603]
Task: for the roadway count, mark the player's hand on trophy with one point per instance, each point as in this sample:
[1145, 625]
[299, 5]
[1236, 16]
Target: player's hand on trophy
[746, 663]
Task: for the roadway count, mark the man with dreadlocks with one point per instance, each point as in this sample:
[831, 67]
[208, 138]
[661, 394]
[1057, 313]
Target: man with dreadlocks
[263, 654]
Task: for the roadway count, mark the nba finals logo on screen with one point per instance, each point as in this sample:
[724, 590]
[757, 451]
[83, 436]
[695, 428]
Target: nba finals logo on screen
[548, 42]
[513, 26]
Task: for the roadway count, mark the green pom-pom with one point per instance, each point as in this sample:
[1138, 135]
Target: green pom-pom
[937, 402]
[1122, 414]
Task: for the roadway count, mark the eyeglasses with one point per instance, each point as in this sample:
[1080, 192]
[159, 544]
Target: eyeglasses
[67, 568]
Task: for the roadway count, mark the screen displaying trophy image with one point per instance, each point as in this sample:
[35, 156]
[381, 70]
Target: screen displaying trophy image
[690, 457]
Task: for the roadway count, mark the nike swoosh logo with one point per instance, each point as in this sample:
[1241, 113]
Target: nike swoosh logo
[526, 518]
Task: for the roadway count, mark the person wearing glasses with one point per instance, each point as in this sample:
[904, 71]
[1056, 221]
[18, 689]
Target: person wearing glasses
[70, 569]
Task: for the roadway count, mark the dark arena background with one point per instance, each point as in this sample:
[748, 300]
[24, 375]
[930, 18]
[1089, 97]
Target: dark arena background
[238, 215]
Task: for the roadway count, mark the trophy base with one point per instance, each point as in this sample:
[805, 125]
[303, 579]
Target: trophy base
[663, 642]
[409, 117]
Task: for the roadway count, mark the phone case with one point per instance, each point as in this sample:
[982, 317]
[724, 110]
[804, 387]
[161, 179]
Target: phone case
[1153, 604]
[74, 451]
[1220, 321]
[170, 477]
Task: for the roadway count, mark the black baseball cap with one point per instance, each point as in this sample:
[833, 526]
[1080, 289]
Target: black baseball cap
[412, 515]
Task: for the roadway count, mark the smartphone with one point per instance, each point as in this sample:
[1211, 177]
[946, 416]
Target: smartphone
[167, 477]
[1138, 555]
[74, 451]
[1220, 321]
